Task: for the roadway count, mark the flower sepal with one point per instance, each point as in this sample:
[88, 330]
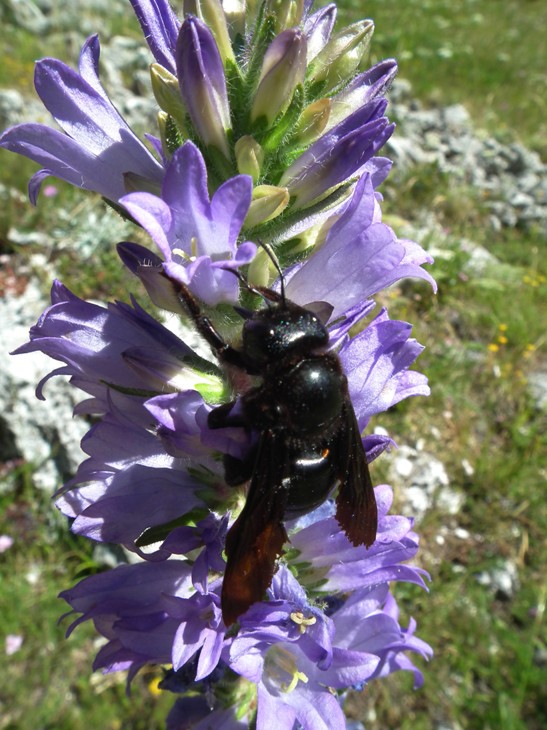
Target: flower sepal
[268, 202]
[166, 89]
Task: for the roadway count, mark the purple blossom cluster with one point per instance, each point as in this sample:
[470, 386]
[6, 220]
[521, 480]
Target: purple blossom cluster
[273, 144]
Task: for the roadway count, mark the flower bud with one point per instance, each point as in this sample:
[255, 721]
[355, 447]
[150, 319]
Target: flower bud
[202, 83]
[167, 93]
[249, 156]
[267, 203]
[342, 55]
[365, 87]
[261, 270]
[212, 14]
[338, 154]
[318, 28]
[283, 68]
[287, 13]
[313, 121]
[240, 15]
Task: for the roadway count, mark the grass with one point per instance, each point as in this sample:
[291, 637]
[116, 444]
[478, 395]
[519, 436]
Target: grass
[484, 335]
[486, 54]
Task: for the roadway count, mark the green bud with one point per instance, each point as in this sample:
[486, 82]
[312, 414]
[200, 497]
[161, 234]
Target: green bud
[342, 55]
[240, 15]
[283, 69]
[167, 92]
[261, 271]
[249, 156]
[267, 203]
[313, 121]
[287, 13]
[212, 14]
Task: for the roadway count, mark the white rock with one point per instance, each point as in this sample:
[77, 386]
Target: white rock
[43, 433]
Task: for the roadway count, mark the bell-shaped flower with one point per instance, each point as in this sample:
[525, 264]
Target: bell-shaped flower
[97, 344]
[338, 154]
[98, 151]
[131, 604]
[361, 254]
[376, 362]
[197, 235]
[326, 557]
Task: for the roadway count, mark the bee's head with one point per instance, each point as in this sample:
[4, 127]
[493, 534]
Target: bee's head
[282, 330]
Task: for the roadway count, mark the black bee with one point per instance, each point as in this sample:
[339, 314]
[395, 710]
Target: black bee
[309, 439]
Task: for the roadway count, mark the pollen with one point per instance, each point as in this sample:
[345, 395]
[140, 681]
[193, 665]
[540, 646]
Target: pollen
[154, 688]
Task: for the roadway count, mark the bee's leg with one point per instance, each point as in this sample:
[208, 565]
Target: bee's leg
[225, 352]
[227, 415]
[236, 471]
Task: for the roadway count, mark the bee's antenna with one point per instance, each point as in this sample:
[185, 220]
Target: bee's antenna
[244, 281]
[275, 261]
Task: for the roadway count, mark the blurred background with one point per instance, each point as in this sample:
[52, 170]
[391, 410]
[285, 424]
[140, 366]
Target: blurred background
[470, 183]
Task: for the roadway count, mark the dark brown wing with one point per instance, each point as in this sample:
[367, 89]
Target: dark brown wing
[355, 505]
[256, 538]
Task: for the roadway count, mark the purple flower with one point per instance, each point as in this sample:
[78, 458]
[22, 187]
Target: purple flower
[361, 254]
[109, 347]
[326, 554]
[197, 235]
[338, 154]
[296, 654]
[136, 481]
[98, 150]
[377, 363]
[197, 713]
[130, 606]
[160, 470]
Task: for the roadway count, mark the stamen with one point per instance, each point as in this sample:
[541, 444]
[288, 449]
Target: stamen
[279, 658]
[193, 250]
[301, 621]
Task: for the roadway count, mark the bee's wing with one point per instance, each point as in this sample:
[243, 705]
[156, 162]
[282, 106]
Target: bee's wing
[256, 538]
[355, 505]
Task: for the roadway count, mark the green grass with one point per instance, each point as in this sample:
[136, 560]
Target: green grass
[484, 334]
[486, 54]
